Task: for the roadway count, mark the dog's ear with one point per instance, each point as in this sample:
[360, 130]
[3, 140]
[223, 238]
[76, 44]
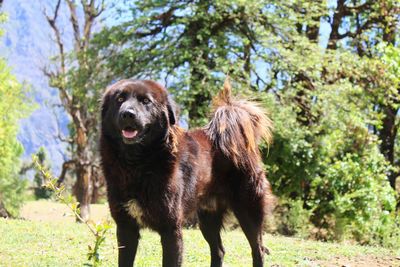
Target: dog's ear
[172, 111]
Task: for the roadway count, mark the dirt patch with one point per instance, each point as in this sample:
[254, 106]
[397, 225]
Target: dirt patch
[360, 261]
[47, 211]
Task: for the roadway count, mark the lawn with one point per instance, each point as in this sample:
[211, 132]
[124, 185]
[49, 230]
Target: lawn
[59, 241]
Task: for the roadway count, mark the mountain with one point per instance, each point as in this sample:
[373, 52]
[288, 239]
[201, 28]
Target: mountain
[27, 46]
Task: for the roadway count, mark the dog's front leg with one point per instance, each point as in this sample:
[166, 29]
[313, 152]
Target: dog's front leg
[128, 239]
[171, 241]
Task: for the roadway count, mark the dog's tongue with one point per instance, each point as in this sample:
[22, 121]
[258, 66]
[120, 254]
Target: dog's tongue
[129, 133]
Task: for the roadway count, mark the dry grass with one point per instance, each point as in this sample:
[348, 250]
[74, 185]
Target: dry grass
[47, 211]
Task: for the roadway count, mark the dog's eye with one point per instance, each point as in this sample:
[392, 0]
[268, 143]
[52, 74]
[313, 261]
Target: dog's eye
[120, 99]
[146, 101]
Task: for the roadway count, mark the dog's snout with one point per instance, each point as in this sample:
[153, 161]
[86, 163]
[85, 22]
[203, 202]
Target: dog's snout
[128, 114]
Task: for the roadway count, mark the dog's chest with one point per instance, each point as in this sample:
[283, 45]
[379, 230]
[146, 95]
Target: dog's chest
[144, 195]
[135, 210]
[145, 204]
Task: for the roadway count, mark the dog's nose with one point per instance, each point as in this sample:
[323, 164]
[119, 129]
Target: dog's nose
[128, 114]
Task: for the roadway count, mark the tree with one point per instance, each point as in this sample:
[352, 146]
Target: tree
[326, 102]
[361, 26]
[191, 45]
[73, 74]
[10, 198]
[367, 24]
[13, 106]
[354, 63]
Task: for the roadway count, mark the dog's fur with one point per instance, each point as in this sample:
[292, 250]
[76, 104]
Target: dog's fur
[163, 175]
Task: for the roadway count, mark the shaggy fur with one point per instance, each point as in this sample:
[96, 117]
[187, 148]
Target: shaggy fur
[160, 176]
[236, 128]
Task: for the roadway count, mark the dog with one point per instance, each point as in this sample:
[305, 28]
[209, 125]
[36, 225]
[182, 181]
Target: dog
[159, 175]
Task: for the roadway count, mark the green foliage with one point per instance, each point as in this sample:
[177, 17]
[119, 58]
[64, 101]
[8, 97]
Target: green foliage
[94, 257]
[98, 230]
[40, 191]
[325, 156]
[330, 106]
[13, 106]
[323, 124]
[293, 218]
[358, 196]
[210, 40]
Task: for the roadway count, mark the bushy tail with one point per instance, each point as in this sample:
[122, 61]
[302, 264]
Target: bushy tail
[237, 126]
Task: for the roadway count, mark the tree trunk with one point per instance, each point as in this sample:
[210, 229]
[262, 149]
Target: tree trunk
[335, 25]
[83, 183]
[387, 136]
[3, 212]
[98, 182]
[83, 189]
[388, 133]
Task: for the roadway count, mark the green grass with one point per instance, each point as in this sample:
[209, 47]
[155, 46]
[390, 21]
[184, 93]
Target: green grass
[30, 243]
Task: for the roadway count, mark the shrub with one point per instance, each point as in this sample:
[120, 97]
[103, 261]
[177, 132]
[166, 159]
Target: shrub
[40, 191]
[12, 108]
[329, 173]
[292, 219]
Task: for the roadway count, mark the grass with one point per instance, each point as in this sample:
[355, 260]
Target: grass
[64, 243]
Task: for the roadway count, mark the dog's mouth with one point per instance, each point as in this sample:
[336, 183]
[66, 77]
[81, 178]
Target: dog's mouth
[130, 135]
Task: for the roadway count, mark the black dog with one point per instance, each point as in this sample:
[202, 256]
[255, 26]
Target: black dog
[158, 175]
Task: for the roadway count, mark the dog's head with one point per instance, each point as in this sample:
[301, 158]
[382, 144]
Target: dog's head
[136, 111]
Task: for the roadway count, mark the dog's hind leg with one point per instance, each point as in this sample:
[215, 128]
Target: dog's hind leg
[250, 217]
[210, 226]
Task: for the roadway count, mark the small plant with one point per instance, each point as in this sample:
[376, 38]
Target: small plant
[98, 230]
[40, 191]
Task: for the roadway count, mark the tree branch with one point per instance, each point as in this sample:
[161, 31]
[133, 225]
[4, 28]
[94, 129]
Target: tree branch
[75, 24]
[26, 167]
[100, 8]
[165, 19]
[360, 29]
[362, 7]
[58, 134]
[67, 165]
[61, 74]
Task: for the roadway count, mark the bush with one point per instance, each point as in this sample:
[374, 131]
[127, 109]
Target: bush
[329, 173]
[354, 196]
[40, 191]
[292, 219]
[12, 108]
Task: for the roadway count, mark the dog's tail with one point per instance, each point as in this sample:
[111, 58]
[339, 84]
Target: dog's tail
[236, 128]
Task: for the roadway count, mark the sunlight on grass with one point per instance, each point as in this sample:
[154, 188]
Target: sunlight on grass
[27, 243]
